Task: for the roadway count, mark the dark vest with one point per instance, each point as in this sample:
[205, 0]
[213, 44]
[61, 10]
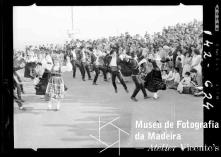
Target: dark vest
[78, 54]
[134, 66]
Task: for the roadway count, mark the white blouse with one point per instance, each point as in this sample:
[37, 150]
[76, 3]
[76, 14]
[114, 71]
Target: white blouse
[196, 63]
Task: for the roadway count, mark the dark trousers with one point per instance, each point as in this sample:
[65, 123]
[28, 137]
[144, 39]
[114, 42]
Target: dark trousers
[78, 64]
[138, 86]
[86, 68]
[118, 75]
[97, 72]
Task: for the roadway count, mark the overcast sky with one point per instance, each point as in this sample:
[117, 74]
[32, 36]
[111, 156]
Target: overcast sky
[41, 25]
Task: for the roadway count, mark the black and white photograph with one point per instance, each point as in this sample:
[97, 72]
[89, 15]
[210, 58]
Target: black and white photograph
[110, 77]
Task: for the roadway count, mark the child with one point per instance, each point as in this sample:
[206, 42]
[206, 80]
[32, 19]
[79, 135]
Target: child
[176, 79]
[185, 82]
[164, 75]
[169, 79]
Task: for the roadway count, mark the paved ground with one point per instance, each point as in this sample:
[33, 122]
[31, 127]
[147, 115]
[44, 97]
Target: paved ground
[71, 127]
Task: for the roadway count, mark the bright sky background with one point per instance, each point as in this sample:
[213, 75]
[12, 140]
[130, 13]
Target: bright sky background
[42, 25]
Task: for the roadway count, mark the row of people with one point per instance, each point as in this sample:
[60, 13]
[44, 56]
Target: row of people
[122, 56]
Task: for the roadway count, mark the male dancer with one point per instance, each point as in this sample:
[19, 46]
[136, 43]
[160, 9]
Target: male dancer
[135, 77]
[77, 62]
[99, 64]
[114, 61]
[86, 61]
[73, 58]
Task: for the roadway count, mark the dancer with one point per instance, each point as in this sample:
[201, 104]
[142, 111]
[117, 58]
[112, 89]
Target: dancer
[99, 64]
[55, 88]
[19, 63]
[30, 65]
[17, 84]
[153, 80]
[136, 78]
[17, 96]
[85, 61]
[115, 71]
[77, 61]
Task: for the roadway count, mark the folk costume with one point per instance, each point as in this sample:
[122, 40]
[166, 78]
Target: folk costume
[56, 88]
[115, 70]
[136, 78]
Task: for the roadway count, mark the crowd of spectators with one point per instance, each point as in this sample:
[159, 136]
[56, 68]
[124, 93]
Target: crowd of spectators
[176, 49]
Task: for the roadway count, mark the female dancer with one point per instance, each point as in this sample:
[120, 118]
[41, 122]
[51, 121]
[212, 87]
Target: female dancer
[153, 80]
[55, 88]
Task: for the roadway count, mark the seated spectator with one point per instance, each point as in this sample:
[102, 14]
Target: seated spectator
[196, 83]
[169, 79]
[176, 79]
[185, 82]
[164, 75]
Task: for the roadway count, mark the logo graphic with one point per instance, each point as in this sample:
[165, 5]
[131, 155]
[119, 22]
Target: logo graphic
[103, 142]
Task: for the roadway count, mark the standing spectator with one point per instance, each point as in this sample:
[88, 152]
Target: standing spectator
[187, 63]
[179, 65]
[181, 56]
[196, 61]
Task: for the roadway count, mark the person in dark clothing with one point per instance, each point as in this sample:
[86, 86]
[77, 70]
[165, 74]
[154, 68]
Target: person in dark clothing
[153, 80]
[42, 85]
[77, 62]
[115, 71]
[99, 65]
[97, 69]
[136, 79]
[175, 54]
[179, 66]
[85, 59]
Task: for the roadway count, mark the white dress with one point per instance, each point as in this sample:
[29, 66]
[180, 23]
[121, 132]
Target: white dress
[187, 65]
[198, 66]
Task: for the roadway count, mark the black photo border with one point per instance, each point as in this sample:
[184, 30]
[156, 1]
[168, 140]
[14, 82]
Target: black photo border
[211, 79]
